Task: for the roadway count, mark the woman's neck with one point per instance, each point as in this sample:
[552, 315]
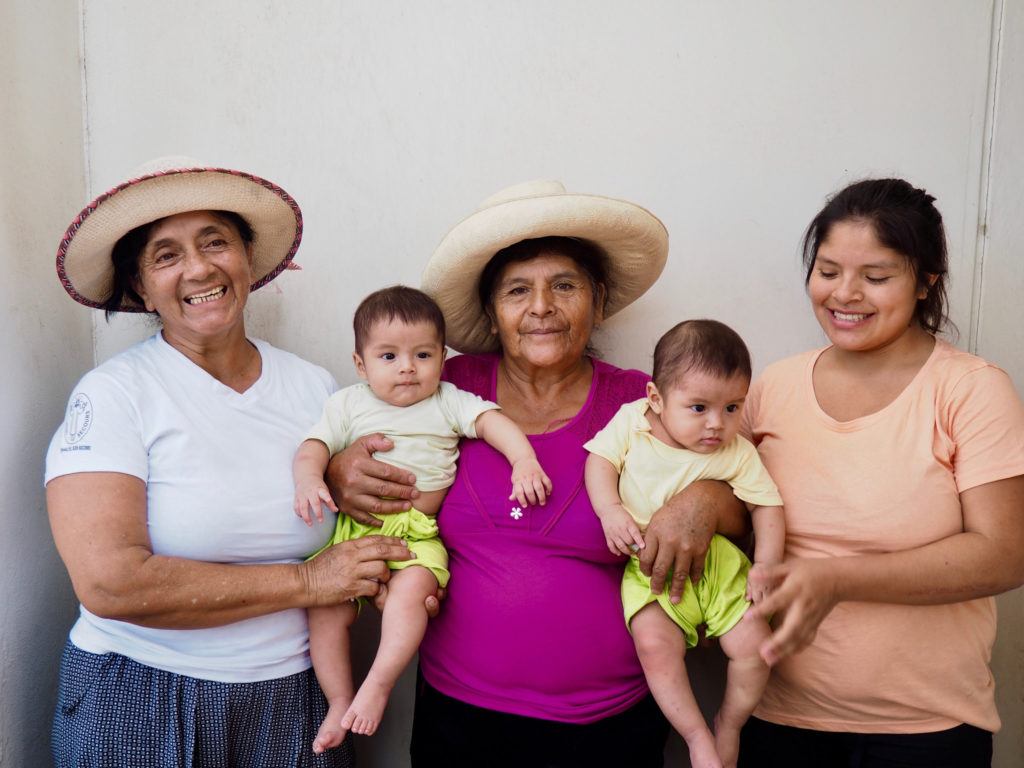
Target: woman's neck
[542, 399]
[910, 350]
[543, 382]
[231, 359]
[849, 384]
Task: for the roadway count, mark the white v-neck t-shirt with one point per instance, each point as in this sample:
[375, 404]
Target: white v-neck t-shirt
[217, 467]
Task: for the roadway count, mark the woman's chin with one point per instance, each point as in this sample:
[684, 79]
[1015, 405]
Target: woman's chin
[208, 326]
[549, 349]
[546, 357]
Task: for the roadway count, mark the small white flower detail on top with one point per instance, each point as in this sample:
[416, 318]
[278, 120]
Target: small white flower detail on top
[516, 513]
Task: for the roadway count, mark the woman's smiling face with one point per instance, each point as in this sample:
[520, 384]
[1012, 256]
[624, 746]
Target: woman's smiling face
[544, 310]
[864, 294]
[195, 272]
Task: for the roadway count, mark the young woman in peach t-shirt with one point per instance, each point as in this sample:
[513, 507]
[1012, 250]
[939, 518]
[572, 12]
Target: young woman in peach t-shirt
[900, 461]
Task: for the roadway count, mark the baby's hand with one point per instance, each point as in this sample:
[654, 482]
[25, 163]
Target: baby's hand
[621, 533]
[312, 495]
[757, 588]
[529, 483]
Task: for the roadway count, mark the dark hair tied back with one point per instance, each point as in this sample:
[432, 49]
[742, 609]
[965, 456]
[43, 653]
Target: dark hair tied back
[904, 219]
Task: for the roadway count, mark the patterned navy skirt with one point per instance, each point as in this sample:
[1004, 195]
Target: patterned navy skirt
[112, 711]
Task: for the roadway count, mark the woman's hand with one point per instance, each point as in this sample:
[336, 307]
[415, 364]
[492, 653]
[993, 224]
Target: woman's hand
[679, 534]
[352, 569]
[800, 593]
[363, 486]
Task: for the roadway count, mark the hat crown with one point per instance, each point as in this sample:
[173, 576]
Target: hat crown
[165, 164]
[527, 189]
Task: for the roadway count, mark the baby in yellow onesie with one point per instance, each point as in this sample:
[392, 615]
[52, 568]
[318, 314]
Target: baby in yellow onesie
[685, 430]
[399, 351]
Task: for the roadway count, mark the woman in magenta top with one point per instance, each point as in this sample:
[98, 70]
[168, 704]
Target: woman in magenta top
[529, 661]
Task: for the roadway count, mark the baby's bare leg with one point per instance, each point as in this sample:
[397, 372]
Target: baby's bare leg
[745, 682]
[402, 627]
[329, 650]
[661, 646]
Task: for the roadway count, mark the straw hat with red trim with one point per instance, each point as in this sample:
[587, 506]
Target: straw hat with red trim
[164, 187]
[633, 239]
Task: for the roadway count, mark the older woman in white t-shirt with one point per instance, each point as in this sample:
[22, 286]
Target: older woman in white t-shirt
[169, 489]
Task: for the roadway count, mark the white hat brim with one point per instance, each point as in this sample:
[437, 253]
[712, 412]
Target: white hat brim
[632, 238]
[84, 263]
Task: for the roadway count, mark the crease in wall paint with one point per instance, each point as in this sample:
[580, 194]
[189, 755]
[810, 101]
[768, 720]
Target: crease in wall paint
[985, 187]
[86, 144]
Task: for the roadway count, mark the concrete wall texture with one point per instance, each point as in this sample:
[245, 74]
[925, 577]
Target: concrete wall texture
[390, 121]
[46, 345]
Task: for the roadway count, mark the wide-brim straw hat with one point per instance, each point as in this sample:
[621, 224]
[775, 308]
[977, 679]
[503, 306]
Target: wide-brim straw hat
[164, 187]
[633, 239]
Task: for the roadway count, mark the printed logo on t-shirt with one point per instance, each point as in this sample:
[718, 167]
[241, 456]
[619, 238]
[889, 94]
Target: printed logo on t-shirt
[78, 419]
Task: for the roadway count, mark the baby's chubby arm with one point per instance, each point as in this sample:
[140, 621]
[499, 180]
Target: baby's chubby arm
[530, 485]
[308, 472]
[769, 546]
[621, 533]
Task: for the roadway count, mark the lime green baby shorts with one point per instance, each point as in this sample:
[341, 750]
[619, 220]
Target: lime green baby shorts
[718, 599]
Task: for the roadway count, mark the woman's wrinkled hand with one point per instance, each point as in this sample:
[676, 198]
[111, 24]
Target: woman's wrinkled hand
[677, 541]
[352, 569]
[363, 486]
[800, 594]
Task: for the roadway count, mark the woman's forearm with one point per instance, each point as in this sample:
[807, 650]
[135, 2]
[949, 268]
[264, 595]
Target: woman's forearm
[175, 593]
[965, 566]
[717, 498]
[704, 508]
[99, 526]
[983, 560]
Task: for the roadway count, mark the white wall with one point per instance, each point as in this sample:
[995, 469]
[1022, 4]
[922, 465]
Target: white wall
[46, 345]
[1000, 319]
[390, 121]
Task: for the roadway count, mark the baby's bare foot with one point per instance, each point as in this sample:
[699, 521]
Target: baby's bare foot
[332, 732]
[367, 708]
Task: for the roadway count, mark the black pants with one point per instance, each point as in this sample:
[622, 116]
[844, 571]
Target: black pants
[767, 745]
[450, 733]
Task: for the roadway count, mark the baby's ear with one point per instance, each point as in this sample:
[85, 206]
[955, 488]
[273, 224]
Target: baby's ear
[654, 397]
[360, 367]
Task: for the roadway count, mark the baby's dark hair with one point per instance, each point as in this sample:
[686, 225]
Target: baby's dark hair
[703, 345]
[399, 302]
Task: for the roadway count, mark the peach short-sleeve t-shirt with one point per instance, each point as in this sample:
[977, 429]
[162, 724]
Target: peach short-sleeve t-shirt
[887, 482]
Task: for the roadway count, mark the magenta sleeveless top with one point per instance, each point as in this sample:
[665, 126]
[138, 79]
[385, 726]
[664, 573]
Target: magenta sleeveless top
[532, 624]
